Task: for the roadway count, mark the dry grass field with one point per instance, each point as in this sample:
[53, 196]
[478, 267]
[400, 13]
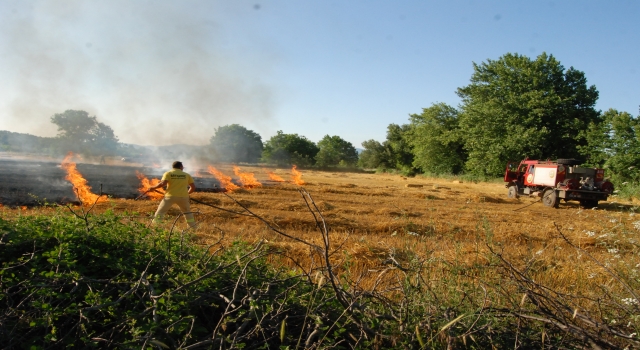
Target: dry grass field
[381, 220]
[428, 245]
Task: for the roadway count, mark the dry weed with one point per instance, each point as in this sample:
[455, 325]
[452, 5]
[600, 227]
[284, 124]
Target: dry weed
[373, 217]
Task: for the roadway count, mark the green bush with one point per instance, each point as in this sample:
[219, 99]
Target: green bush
[108, 281]
[103, 281]
[627, 190]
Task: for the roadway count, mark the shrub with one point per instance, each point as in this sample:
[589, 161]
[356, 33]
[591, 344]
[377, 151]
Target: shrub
[108, 281]
[102, 281]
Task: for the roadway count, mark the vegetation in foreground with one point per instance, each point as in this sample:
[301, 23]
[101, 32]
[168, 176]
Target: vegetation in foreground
[107, 280]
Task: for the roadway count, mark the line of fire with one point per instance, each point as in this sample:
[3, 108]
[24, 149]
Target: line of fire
[31, 183]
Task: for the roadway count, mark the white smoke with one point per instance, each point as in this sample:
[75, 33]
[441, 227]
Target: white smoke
[157, 72]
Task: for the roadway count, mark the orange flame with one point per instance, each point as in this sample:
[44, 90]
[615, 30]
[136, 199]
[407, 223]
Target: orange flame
[247, 179]
[275, 177]
[225, 181]
[296, 176]
[24, 207]
[82, 189]
[155, 165]
[198, 174]
[145, 185]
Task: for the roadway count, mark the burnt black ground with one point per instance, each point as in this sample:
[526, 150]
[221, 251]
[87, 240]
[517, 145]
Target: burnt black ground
[24, 182]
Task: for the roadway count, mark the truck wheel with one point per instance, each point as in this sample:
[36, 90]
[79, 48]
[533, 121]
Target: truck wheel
[513, 192]
[550, 198]
[588, 203]
[569, 161]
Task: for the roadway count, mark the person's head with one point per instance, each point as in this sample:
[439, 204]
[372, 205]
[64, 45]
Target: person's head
[177, 165]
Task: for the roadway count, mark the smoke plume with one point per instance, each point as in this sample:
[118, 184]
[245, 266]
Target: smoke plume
[157, 72]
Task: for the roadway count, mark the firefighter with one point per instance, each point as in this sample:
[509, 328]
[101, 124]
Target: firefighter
[179, 186]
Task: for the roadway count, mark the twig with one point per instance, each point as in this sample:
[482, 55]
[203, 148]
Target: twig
[206, 275]
[273, 228]
[555, 310]
[615, 276]
[324, 230]
[122, 297]
[230, 304]
[219, 208]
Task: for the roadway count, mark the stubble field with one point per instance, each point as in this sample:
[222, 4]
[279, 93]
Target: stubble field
[379, 221]
[425, 252]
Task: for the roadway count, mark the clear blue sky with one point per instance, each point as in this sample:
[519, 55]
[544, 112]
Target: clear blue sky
[164, 72]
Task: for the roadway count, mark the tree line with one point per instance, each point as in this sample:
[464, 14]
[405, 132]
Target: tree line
[77, 132]
[83, 134]
[235, 143]
[514, 107]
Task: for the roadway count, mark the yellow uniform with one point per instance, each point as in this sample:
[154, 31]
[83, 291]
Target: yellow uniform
[177, 183]
[177, 193]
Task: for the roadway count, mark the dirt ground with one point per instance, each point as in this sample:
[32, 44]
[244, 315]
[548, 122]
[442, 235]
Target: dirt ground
[375, 216]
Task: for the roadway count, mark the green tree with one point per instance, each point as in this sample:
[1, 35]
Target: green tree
[336, 151]
[18, 142]
[614, 144]
[235, 143]
[79, 132]
[516, 107]
[374, 155]
[435, 140]
[289, 149]
[398, 148]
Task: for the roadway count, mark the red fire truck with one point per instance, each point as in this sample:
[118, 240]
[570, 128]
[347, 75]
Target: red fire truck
[556, 180]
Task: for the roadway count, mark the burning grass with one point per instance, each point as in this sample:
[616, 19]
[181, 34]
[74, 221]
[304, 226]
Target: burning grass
[457, 243]
[146, 184]
[296, 176]
[274, 177]
[248, 180]
[225, 181]
[80, 185]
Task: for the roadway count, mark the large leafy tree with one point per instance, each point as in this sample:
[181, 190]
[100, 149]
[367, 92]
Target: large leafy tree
[336, 151]
[614, 144]
[398, 148]
[435, 140]
[79, 132]
[394, 153]
[374, 155]
[235, 143]
[289, 149]
[516, 107]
